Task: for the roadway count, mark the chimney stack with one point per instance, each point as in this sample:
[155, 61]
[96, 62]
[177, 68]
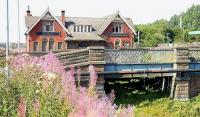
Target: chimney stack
[63, 16]
[28, 12]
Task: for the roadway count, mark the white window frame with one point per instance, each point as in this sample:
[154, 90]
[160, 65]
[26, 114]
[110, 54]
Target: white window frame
[117, 28]
[82, 28]
[90, 27]
[51, 26]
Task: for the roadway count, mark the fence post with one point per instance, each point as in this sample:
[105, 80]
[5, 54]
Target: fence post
[97, 59]
[180, 81]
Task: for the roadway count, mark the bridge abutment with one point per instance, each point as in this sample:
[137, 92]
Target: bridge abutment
[180, 89]
[96, 58]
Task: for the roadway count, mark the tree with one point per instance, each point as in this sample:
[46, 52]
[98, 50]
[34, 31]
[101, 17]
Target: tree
[153, 34]
[156, 32]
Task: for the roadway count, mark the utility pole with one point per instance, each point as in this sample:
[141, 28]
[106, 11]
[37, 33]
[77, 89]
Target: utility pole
[7, 41]
[18, 26]
[168, 41]
[138, 38]
[181, 22]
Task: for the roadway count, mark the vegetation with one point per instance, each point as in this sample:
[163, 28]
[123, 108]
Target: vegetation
[2, 62]
[165, 107]
[153, 34]
[156, 32]
[154, 103]
[41, 87]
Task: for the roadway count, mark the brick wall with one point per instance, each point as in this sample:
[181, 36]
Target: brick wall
[111, 39]
[194, 86]
[33, 37]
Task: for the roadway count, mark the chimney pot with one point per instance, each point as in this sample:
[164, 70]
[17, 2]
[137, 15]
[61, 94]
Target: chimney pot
[63, 12]
[28, 12]
[63, 16]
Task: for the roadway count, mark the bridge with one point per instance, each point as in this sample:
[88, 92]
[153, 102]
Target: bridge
[182, 64]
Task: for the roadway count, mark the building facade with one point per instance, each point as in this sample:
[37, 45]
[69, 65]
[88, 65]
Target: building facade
[60, 33]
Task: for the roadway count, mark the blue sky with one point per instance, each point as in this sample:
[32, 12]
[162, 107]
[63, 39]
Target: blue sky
[141, 11]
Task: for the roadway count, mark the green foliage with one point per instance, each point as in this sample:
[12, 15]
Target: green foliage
[29, 84]
[191, 22]
[153, 34]
[2, 62]
[190, 19]
[165, 107]
[156, 32]
[152, 103]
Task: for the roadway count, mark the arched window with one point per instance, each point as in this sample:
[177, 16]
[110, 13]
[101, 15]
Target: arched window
[117, 43]
[35, 46]
[44, 44]
[51, 44]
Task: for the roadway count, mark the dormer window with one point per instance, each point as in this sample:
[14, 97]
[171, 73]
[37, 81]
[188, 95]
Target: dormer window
[82, 28]
[117, 28]
[48, 26]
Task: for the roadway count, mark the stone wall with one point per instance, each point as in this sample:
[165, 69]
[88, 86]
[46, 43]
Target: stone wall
[82, 59]
[194, 86]
[180, 81]
[96, 58]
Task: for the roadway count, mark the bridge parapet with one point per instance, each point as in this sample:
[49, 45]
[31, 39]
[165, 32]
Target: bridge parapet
[90, 55]
[82, 59]
[77, 57]
[194, 55]
[139, 56]
[147, 56]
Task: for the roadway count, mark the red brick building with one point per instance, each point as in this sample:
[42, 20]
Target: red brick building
[58, 33]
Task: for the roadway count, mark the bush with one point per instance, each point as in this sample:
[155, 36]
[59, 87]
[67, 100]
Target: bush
[2, 62]
[39, 86]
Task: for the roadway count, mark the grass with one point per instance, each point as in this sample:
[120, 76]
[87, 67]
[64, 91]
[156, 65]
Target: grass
[154, 103]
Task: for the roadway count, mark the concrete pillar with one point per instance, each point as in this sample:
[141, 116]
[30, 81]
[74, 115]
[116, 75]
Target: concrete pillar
[96, 58]
[180, 81]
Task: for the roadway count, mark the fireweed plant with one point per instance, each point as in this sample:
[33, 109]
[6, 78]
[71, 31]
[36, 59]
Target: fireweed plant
[40, 86]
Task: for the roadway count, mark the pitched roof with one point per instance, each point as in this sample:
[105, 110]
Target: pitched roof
[110, 18]
[84, 36]
[98, 25]
[33, 21]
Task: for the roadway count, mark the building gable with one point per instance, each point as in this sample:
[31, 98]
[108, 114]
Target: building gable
[114, 18]
[47, 15]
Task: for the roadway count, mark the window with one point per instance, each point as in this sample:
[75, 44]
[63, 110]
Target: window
[77, 28]
[51, 44]
[44, 44]
[74, 28]
[48, 26]
[85, 29]
[35, 46]
[117, 43]
[59, 45]
[126, 44]
[117, 28]
[82, 28]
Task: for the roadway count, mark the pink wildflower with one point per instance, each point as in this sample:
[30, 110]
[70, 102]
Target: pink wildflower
[93, 76]
[22, 108]
[112, 96]
[36, 106]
